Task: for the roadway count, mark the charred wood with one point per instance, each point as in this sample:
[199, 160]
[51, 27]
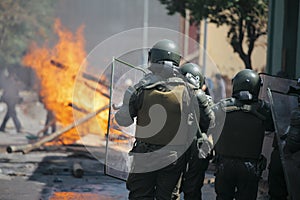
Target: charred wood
[97, 90]
[58, 64]
[77, 170]
[95, 79]
[29, 147]
[78, 108]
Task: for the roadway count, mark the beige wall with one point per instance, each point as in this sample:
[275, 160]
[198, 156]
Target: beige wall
[222, 54]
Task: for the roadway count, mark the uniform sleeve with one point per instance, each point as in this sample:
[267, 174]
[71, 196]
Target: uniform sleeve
[207, 117]
[269, 123]
[131, 103]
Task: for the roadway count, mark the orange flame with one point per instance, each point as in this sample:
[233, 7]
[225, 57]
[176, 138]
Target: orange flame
[57, 69]
[77, 195]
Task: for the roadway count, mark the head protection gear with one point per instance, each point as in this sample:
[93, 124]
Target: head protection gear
[193, 74]
[246, 85]
[165, 50]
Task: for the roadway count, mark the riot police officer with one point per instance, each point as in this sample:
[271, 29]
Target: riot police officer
[293, 134]
[291, 152]
[238, 150]
[158, 159]
[199, 152]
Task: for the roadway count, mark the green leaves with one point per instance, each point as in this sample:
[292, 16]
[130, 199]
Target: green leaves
[22, 21]
[247, 19]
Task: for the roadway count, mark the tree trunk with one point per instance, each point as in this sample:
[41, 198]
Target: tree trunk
[237, 43]
[246, 58]
[247, 62]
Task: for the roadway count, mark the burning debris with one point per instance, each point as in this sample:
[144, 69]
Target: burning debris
[57, 64]
[67, 93]
[29, 147]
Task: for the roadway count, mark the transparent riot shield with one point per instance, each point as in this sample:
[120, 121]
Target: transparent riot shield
[120, 139]
[282, 106]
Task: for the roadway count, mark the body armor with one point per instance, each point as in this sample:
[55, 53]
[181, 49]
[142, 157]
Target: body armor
[244, 129]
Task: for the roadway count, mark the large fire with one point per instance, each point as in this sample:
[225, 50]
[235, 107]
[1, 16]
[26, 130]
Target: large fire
[57, 70]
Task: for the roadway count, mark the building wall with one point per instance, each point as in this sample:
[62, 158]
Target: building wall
[275, 35]
[284, 36]
[228, 62]
[220, 57]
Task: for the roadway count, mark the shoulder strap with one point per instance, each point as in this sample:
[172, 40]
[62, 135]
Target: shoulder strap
[148, 79]
[170, 81]
[232, 104]
[228, 105]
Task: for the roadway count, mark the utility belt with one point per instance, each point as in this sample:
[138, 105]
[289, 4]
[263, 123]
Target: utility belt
[225, 157]
[260, 163]
[144, 147]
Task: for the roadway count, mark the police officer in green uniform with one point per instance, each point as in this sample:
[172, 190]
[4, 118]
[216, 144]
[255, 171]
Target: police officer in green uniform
[157, 162]
[238, 150]
[199, 152]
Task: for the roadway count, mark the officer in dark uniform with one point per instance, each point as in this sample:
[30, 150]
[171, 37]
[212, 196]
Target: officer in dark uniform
[293, 135]
[238, 150]
[291, 151]
[149, 177]
[199, 152]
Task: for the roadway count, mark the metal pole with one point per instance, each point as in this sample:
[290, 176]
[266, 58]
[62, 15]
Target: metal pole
[186, 33]
[112, 73]
[145, 32]
[204, 47]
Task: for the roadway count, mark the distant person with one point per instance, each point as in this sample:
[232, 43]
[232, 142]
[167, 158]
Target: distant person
[11, 97]
[208, 87]
[219, 88]
[50, 120]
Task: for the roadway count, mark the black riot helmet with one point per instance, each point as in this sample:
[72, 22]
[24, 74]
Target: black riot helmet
[193, 74]
[165, 50]
[246, 85]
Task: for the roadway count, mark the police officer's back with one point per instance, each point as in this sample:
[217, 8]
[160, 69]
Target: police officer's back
[240, 143]
[156, 166]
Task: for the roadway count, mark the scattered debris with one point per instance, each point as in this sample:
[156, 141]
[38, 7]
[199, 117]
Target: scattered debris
[77, 170]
